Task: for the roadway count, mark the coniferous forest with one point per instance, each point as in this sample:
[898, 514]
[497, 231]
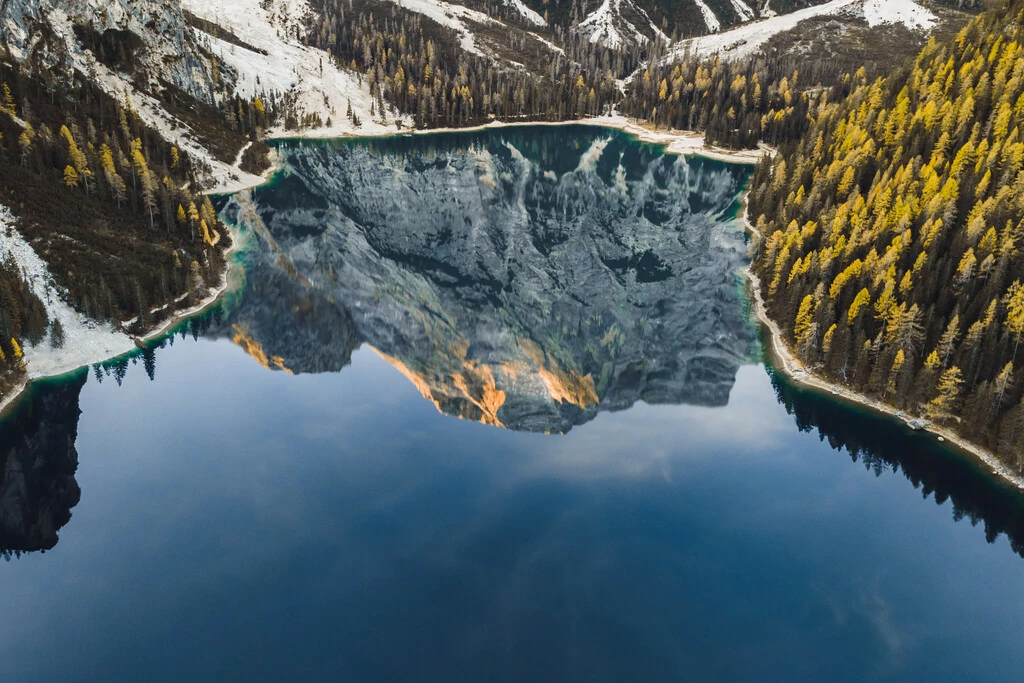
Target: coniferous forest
[418, 67]
[890, 235]
[106, 202]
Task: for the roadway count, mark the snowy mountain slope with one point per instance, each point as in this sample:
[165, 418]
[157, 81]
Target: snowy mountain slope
[618, 24]
[709, 16]
[148, 108]
[85, 341]
[629, 23]
[162, 45]
[746, 39]
[530, 15]
[455, 17]
[305, 73]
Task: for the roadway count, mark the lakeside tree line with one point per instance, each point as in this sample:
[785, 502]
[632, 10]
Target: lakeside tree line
[891, 235]
[104, 200]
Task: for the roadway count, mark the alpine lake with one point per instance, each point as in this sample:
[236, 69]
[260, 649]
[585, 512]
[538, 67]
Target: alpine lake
[490, 406]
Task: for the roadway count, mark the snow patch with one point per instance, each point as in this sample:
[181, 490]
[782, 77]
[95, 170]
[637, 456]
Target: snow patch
[528, 14]
[308, 74]
[448, 15]
[710, 20]
[608, 26]
[85, 341]
[906, 12]
[745, 40]
[743, 10]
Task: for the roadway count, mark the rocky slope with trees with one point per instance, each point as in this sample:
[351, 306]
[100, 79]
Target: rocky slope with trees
[106, 194]
[891, 235]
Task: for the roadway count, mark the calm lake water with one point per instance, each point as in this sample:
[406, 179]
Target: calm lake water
[489, 407]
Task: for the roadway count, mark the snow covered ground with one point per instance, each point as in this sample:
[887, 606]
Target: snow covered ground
[451, 16]
[149, 109]
[608, 25]
[710, 20]
[744, 40]
[744, 11]
[289, 66]
[85, 340]
[906, 12]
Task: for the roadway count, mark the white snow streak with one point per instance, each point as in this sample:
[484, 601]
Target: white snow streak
[552, 46]
[289, 67]
[746, 39]
[530, 15]
[447, 15]
[743, 10]
[906, 12]
[709, 17]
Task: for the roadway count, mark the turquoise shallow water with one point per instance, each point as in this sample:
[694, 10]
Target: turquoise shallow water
[207, 515]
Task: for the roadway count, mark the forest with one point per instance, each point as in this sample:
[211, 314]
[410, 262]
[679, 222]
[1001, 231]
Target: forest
[418, 67]
[889, 237]
[111, 206]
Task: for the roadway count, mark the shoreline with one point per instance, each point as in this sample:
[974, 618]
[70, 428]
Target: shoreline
[684, 143]
[692, 142]
[795, 370]
[681, 142]
[8, 402]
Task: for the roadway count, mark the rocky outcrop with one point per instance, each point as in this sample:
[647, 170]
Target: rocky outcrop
[38, 461]
[526, 278]
[151, 38]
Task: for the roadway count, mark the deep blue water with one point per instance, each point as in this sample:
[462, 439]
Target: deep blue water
[241, 523]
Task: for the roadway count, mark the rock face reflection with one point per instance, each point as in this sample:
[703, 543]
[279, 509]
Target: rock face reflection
[38, 461]
[526, 278]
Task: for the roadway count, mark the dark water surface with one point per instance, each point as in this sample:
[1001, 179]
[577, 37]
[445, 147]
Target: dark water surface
[282, 491]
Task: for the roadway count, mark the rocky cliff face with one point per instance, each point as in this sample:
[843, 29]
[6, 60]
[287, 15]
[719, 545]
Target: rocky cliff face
[38, 461]
[157, 44]
[526, 278]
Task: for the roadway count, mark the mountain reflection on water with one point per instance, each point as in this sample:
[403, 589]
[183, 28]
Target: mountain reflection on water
[524, 279]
